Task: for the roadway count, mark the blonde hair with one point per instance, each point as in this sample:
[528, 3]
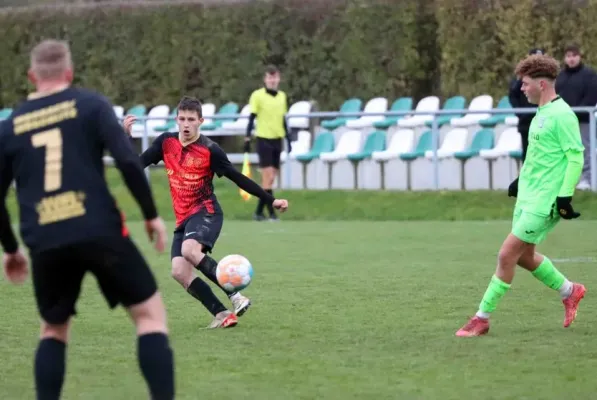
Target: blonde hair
[50, 58]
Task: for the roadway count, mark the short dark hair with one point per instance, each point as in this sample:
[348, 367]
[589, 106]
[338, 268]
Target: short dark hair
[271, 70]
[538, 66]
[188, 103]
[572, 48]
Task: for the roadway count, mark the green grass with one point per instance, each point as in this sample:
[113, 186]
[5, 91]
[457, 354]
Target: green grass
[342, 205]
[342, 310]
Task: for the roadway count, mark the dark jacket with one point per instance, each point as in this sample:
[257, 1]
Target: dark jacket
[578, 87]
[519, 100]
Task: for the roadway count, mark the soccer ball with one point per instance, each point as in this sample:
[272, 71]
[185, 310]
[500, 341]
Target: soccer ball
[234, 272]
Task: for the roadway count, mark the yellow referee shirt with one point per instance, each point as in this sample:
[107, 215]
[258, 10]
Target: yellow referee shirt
[270, 111]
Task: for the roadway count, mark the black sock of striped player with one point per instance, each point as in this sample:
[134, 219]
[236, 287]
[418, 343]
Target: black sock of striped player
[208, 267]
[270, 207]
[259, 209]
[202, 292]
[50, 364]
[157, 364]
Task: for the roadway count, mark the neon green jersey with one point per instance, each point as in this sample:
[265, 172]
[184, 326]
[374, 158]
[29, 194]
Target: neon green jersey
[270, 111]
[554, 132]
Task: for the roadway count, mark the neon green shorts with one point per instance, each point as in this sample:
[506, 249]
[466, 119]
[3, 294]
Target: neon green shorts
[533, 228]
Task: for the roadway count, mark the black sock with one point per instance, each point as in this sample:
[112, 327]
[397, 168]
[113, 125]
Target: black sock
[50, 365]
[202, 292]
[208, 267]
[259, 210]
[157, 364]
[270, 207]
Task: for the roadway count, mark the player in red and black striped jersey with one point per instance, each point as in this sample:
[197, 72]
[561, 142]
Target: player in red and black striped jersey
[191, 161]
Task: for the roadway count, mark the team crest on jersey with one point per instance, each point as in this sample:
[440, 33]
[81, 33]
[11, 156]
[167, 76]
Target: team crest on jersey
[541, 121]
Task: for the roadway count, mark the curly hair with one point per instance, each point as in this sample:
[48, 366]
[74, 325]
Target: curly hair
[538, 66]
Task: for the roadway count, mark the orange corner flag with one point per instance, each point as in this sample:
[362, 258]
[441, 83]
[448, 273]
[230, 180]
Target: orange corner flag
[246, 171]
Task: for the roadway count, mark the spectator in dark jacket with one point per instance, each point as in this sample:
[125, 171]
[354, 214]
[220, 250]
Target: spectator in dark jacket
[577, 85]
[519, 100]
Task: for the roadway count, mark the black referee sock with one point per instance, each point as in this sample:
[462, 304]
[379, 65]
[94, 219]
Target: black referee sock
[270, 207]
[208, 267]
[157, 364]
[259, 210]
[50, 365]
[202, 292]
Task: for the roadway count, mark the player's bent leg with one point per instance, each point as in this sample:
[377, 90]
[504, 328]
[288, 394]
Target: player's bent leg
[155, 356]
[50, 360]
[195, 253]
[500, 282]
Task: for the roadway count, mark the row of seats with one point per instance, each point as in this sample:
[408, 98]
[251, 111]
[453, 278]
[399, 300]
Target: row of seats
[404, 144]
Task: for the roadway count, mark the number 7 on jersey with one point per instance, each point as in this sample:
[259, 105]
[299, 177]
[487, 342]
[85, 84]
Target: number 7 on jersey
[52, 141]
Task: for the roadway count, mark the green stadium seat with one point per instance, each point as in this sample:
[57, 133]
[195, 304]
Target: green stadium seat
[324, 142]
[5, 113]
[483, 140]
[424, 144]
[138, 111]
[376, 141]
[171, 124]
[228, 108]
[452, 103]
[401, 104]
[350, 106]
[497, 118]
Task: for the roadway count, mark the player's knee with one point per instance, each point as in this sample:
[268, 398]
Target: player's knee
[150, 315]
[182, 271]
[55, 331]
[192, 251]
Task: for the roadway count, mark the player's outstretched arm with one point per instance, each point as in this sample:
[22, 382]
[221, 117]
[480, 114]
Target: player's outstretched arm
[117, 143]
[222, 166]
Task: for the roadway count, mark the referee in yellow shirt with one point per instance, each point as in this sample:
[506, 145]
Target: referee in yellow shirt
[269, 106]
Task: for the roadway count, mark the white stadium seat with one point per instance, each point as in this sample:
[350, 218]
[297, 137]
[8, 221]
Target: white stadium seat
[479, 103]
[208, 110]
[119, 111]
[160, 112]
[241, 123]
[376, 105]
[299, 108]
[456, 140]
[429, 103]
[299, 146]
[350, 142]
[402, 141]
[508, 141]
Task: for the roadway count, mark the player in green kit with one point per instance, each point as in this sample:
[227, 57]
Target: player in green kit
[544, 193]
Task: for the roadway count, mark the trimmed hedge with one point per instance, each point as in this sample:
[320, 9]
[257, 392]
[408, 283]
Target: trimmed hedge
[328, 50]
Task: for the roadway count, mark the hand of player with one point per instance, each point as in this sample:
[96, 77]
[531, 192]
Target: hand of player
[513, 188]
[565, 208]
[247, 146]
[156, 230]
[16, 269]
[129, 120]
[280, 204]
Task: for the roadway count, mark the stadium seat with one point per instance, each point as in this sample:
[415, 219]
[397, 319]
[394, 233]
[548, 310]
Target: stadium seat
[511, 120]
[323, 143]
[454, 142]
[452, 103]
[479, 103]
[401, 104]
[376, 105]
[495, 119]
[376, 141]
[508, 141]
[5, 113]
[170, 124]
[118, 110]
[424, 144]
[208, 110]
[229, 108]
[483, 140]
[429, 103]
[160, 113]
[402, 141]
[299, 108]
[241, 123]
[350, 106]
[138, 111]
[299, 146]
[349, 143]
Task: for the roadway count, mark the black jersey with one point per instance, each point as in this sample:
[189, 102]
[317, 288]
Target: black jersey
[53, 148]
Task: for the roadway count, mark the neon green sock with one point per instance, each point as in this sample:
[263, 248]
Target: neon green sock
[494, 293]
[549, 275]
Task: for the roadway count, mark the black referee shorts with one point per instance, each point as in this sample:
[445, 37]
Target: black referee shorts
[203, 227]
[269, 151]
[121, 272]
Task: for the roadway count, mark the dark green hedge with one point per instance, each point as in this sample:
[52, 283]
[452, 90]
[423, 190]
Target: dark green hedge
[328, 50]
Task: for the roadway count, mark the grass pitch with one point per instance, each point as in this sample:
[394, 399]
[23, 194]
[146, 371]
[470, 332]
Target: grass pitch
[342, 310]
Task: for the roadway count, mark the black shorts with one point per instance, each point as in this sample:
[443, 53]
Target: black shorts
[203, 227]
[269, 151]
[121, 272]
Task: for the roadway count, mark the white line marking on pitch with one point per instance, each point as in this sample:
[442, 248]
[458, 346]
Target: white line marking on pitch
[575, 260]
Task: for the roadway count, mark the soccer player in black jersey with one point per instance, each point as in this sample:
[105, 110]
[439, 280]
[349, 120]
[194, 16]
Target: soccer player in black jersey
[52, 146]
[191, 160]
